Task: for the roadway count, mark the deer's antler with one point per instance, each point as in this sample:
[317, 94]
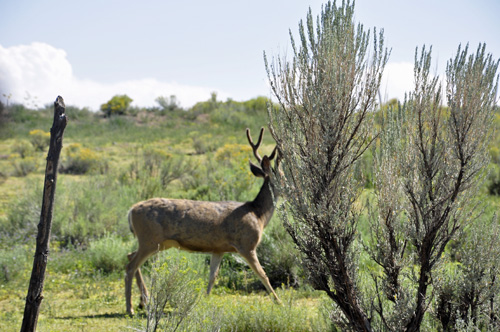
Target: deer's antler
[256, 146]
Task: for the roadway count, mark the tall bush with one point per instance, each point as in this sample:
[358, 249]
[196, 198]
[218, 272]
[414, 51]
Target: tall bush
[322, 128]
[429, 167]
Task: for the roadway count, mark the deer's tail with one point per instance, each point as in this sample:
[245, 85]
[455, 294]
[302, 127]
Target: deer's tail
[129, 217]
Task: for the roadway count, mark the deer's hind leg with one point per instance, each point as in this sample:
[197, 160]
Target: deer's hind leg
[214, 270]
[136, 259]
[140, 284]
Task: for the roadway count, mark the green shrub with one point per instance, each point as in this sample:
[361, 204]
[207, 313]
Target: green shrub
[79, 114]
[108, 254]
[120, 124]
[150, 174]
[20, 224]
[467, 284]
[85, 209]
[209, 181]
[175, 289]
[89, 209]
[204, 107]
[39, 139]
[169, 104]
[235, 274]
[23, 166]
[70, 260]
[203, 143]
[18, 113]
[23, 148]
[22, 158]
[227, 116]
[153, 159]
[493, 180]
[13, 262]
[258, 104]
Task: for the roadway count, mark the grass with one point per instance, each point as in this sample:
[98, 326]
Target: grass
[96, 303]
[69, 304]
[9, 192]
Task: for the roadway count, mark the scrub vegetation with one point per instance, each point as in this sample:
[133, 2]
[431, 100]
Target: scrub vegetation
[108, 163]
[386, 221]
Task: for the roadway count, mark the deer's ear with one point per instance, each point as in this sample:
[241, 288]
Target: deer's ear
[256, 170]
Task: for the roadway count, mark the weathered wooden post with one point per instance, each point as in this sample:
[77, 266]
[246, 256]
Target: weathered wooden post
[34, 297]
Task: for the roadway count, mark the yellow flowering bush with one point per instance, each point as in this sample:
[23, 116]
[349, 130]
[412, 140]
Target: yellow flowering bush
[231, 152]
[79, 160]
[117, 105]
[39, 139]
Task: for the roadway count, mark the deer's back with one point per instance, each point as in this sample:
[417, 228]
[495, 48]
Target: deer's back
[195, 225]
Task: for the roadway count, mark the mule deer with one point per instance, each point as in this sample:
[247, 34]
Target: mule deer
[197, 226]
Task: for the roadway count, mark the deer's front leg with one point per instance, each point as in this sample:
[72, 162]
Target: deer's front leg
[253, 261]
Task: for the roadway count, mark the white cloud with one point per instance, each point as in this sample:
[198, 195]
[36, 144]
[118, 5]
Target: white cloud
[397, 80]
[43, 72]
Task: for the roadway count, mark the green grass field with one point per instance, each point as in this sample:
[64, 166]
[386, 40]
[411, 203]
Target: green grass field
[96, 303]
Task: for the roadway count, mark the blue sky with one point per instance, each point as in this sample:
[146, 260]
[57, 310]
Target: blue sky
[87, 51]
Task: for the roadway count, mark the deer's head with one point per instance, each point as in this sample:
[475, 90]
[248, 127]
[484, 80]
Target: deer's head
[264, 169]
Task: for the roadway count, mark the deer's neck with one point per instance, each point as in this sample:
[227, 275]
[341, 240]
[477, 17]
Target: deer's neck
[264, 202]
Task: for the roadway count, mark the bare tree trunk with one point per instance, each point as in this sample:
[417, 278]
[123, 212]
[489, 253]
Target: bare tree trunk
[34, 297]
